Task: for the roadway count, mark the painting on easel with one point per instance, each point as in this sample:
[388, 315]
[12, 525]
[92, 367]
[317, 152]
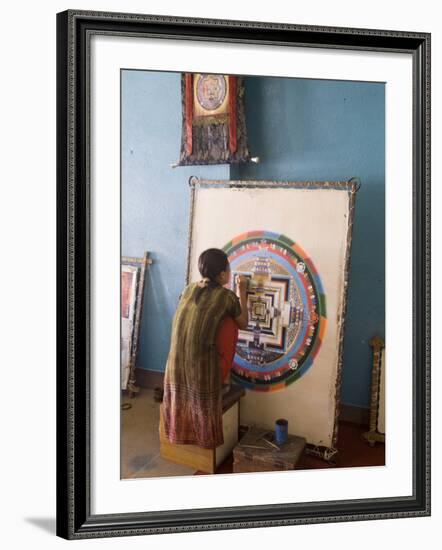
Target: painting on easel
[133, 274]
[289, 356]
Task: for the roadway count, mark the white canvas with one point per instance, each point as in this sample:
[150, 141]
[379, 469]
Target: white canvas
[317, 219]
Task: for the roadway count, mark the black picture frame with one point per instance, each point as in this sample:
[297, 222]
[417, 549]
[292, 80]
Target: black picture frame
[74, 518]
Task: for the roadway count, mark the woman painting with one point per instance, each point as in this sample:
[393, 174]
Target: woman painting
[204, 333]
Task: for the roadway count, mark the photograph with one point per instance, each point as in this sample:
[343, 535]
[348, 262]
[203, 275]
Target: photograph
[243, 274]
[253, 321]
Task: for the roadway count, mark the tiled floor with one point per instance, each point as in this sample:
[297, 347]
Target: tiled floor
[141, 458]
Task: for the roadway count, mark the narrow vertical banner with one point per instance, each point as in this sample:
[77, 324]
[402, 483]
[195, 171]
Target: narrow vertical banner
[232, 114]
[189, 113]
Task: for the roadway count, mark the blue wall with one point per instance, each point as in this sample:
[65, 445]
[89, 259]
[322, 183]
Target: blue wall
[155, 200]
[300, 129]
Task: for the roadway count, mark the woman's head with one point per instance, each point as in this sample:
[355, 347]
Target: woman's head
[214, 264]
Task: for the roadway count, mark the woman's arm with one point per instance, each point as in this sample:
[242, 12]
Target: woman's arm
[241, 286]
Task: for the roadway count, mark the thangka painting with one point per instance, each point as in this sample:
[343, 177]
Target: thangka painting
[292, 241]
[133, 273]
[129, 279]
[213, 120]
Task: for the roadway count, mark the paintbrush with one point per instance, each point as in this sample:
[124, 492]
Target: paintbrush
[271, 444]
[253, 446]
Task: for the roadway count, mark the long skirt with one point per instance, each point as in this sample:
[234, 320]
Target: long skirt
[183, 432]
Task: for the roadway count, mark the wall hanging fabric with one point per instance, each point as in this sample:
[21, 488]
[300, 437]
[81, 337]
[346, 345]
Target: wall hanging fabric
[292, 240]
[214, 125]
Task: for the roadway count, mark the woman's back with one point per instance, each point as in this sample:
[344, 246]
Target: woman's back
[193, 378]
[197, 321]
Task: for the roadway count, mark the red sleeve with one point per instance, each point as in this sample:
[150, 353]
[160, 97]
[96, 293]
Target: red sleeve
[234, 308]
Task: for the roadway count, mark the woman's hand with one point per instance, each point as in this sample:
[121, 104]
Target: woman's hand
[241, 284]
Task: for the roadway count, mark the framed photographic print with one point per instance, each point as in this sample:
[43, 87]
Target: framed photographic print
[279, 177]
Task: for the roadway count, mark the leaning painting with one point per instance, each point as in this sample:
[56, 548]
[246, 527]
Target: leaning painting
[260, 202]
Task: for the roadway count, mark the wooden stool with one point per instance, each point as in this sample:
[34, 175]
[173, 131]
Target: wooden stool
[253, 454]
[208, 460]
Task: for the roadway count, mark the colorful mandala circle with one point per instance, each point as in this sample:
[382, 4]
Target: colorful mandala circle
[287, 315]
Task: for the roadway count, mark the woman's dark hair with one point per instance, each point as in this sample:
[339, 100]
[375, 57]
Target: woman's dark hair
[210, 264]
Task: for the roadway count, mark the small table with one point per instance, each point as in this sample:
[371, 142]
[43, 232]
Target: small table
[253, 454]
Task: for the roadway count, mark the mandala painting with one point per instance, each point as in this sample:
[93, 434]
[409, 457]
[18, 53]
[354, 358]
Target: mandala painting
[287, 313]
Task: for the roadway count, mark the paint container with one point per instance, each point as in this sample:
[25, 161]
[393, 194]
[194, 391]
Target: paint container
[281, 431]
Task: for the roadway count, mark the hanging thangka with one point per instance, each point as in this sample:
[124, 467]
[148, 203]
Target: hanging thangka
[214, 126]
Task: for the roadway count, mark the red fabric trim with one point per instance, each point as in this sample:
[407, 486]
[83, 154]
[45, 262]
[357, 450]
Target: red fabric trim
[232, 114]
[189, 112]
